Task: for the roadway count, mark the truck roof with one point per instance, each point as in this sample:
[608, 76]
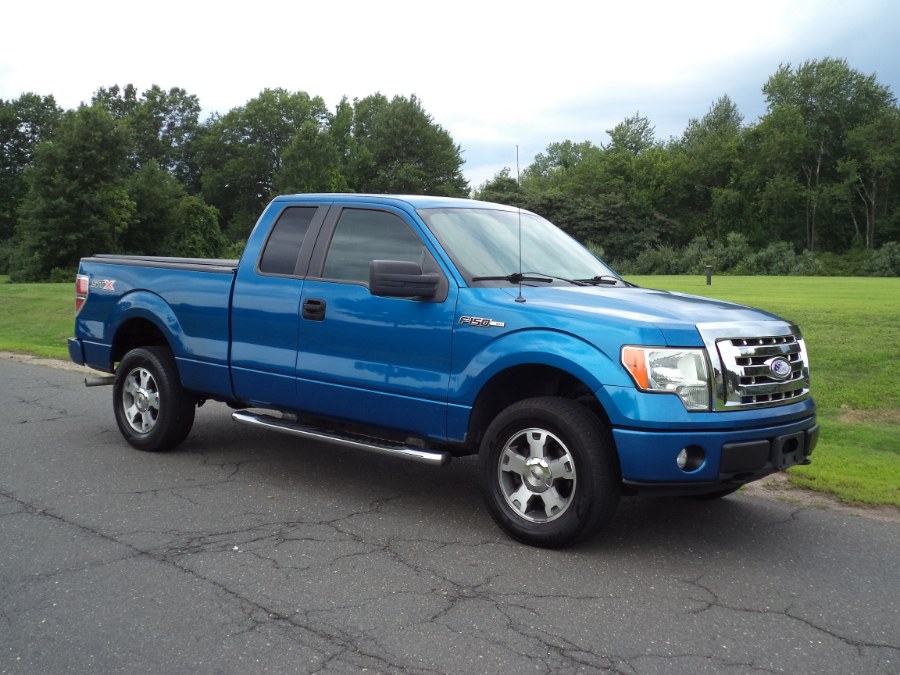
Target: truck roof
[414, 201]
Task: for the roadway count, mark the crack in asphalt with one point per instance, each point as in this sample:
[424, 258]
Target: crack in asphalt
[716, 602]
[40, 403]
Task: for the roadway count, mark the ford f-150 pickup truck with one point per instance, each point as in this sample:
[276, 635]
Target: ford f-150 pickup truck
[429, 328]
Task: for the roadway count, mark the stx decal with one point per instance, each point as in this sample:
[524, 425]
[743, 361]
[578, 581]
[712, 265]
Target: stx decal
[103, 284]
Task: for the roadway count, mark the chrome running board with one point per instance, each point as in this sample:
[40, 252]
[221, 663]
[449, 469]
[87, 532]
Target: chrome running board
[381, 446]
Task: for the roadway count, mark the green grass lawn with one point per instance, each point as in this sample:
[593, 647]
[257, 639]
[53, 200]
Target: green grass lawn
[36, 318]
[851, 326]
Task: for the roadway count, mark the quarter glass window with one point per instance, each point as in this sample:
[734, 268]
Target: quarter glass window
[283, 248]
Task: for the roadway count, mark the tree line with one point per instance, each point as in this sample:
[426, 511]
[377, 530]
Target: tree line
[811, 187]
[139, 173]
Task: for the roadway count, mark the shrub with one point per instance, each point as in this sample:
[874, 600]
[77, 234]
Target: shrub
[5, 255]
[657, 260]
[595, 248]
[233, 250]
[885, 262]
[195, 232]
[808, 265]
[778, 259]
[60, 275]
[724, 256]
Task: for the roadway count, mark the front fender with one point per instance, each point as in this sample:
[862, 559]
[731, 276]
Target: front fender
[538, 346]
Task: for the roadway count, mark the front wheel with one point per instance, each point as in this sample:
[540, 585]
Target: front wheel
[548, 472]
[152, 410]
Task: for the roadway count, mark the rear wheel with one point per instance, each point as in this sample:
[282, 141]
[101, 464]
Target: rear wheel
[152, 410]
[548, 472]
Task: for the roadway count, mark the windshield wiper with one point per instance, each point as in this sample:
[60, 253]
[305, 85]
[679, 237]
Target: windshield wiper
[519, 277]
[515, 278]
[599, 280]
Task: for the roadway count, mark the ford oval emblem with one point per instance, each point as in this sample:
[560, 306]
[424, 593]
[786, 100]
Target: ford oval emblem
[780, 368]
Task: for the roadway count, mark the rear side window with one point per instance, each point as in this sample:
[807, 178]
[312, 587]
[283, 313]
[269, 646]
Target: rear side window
[283, 248]
[362, 236]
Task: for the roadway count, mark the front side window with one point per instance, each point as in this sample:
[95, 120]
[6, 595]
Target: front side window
[363, 235]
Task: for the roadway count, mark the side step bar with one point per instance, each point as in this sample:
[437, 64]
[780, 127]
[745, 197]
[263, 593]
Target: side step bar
[383, 447]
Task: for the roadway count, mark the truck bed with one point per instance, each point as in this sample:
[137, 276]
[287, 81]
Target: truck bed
[186, 300]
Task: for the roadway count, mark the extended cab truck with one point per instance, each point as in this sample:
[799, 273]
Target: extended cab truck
[429, 328]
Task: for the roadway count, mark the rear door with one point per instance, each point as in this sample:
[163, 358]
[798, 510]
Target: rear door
[381, 361]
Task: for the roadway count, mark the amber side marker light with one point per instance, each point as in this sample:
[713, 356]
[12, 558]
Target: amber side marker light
[635, 361]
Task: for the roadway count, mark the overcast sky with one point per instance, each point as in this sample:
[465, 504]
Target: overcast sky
[493, 74]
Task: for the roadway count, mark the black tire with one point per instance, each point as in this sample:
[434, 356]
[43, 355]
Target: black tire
[560, 458]
[152, 410]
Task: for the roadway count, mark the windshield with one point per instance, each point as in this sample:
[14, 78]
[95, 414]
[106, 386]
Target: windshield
[484, 242]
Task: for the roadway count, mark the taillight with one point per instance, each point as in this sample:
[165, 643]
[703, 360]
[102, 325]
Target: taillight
[82, 286]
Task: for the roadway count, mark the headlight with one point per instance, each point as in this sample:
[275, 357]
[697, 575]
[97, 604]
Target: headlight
[674, 371]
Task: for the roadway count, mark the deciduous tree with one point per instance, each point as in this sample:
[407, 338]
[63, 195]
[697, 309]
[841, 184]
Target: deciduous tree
[872, 166]
[395, 146]
[243, 151]
[77, 203]
[162, 124]
[24, 123]
[829, 99]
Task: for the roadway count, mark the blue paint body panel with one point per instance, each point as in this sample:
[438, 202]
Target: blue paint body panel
[243, 335]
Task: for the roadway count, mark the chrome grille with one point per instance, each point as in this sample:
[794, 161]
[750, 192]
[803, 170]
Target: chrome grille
[745, 371]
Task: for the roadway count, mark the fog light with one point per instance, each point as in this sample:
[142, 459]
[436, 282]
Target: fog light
[690, 458]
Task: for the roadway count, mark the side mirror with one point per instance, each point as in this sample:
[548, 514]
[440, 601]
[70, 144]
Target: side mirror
[401, 279]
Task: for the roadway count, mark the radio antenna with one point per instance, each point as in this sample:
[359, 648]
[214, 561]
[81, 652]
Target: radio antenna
[520, 297]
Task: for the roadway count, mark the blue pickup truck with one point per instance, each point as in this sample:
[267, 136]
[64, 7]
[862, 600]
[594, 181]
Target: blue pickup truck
[430, 328]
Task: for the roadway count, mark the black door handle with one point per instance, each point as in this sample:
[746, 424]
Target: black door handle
[314, 310]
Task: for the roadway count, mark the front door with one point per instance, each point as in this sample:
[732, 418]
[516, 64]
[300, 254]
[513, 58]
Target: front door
[381, 361]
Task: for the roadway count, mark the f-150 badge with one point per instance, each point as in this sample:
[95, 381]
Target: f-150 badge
[480, 322]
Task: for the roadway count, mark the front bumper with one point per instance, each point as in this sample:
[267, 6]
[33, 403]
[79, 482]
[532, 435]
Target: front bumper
[734, 457]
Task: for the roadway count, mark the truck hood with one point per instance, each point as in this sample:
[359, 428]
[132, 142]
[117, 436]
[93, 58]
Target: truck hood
[674, 315]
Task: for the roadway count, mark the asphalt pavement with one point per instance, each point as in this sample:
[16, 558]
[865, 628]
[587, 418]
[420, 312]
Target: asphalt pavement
[251, 552]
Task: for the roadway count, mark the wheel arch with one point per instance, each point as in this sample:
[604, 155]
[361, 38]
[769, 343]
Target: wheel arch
[525, 381]
[136, 332]
[528, 364]
[143, 319]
